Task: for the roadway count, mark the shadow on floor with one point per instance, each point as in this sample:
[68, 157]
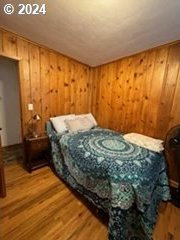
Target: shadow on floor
[14, 153]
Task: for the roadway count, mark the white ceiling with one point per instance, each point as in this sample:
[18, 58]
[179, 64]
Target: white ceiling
[97, 31]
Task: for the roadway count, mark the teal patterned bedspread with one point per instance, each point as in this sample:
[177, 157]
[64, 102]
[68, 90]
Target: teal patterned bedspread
[123, 179]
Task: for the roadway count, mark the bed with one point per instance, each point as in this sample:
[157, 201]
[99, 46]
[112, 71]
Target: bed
[121, 178]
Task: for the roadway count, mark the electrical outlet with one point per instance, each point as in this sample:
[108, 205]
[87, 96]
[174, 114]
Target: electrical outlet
[30, 107]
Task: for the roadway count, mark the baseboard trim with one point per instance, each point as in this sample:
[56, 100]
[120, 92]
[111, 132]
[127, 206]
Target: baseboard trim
[173, 183]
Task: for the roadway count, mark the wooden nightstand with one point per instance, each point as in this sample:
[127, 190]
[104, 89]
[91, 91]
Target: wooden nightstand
[37, 152]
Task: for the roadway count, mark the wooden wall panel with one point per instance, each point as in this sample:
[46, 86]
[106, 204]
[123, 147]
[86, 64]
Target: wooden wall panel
[10, 44]
[53, 84]
[47, 79]
[145, 121]
[67, 86]
[73, 86]
[155, 92]
[61, 85]
[45, 84]
[82, 88]
[116, 104]
[25, 84]
[35, 84]
[175, 110]
[170, 84]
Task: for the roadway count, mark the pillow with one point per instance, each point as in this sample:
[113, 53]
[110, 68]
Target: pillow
[79, 124]
[150, 143]
[59, 124]
[90, 116]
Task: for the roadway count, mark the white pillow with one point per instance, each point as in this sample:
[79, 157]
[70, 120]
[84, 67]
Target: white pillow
[90, 116]
[79, 124]
[150, 143]
[59, 124]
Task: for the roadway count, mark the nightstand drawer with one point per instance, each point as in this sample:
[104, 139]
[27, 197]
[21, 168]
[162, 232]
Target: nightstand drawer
[37, 152]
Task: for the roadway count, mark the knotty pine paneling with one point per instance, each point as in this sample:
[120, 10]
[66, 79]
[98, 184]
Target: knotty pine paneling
[140, 93]
[55, 84]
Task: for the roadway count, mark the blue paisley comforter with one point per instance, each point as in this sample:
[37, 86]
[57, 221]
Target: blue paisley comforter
[123, 179]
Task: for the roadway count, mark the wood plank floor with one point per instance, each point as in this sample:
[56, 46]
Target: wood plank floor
[39, 206]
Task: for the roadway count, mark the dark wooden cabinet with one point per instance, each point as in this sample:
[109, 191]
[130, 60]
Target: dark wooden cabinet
[37, 152]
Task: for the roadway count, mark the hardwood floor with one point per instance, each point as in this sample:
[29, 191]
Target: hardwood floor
[39, 206]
